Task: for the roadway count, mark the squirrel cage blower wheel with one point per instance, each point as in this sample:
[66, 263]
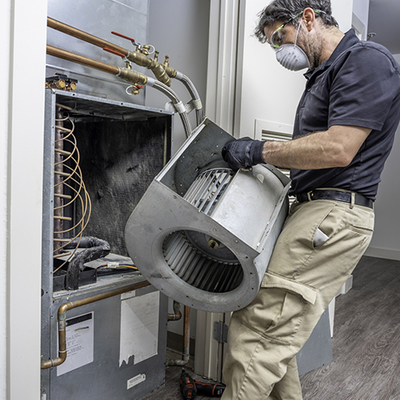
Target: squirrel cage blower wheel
[203, 234]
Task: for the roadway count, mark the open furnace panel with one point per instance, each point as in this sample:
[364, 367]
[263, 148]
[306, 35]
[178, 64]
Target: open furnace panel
[116, 346]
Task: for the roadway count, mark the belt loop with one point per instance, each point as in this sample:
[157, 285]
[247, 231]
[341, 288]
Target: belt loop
[309, 196]
[353, 200]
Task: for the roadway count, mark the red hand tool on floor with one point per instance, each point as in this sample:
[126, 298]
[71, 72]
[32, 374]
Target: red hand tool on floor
[191, 388]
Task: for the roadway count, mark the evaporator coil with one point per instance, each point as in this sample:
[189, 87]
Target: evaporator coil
[203, 234]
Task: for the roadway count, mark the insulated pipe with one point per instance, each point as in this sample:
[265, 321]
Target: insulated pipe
[179, 106]
[62, 317]
[134, 56]
[94, 248]
[195, 96]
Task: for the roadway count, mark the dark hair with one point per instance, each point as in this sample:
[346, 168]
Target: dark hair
[283, 10]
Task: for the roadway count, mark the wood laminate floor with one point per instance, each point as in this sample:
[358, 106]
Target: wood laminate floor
[366, 342]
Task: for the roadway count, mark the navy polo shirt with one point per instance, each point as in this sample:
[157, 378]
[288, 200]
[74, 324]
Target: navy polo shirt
[359, 85]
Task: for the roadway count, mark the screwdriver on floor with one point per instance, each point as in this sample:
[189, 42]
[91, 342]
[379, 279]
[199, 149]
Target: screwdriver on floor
[190, 388]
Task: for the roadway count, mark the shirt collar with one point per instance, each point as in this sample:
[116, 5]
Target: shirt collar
[349, 40]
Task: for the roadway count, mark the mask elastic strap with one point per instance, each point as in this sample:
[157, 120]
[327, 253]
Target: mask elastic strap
[297, 34]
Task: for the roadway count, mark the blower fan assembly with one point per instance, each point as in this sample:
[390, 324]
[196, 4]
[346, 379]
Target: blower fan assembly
[202, 233]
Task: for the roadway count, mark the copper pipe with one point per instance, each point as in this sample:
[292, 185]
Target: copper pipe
[64, 196]
[124, 73]
[67, 55]
[186, 334]
[61, 173]
[134, 56]
[186, 340]
[65, 153]
[62, 218]
[62, 317]
[61, 128]
[62, 254]
[58, 180]
[87, 37]
[177, 313]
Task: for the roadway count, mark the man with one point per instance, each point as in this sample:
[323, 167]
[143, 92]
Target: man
[343, 133]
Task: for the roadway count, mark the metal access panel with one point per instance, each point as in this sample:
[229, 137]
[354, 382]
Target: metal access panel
[99, 18]
[116, 347]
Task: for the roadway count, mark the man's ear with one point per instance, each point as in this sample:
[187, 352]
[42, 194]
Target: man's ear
[309, 18]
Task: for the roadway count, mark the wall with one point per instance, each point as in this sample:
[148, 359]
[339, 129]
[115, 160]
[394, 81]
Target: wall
[23, 29]
[360, 15]
[268, 91]
[179, 29]
[5, 21]
[386, 240]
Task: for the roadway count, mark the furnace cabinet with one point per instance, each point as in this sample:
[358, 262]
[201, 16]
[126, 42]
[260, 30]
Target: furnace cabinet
[116, 347]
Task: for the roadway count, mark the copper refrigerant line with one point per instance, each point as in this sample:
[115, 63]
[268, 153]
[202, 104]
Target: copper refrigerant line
[162, 72]
[67, 174]
[62, 327]
[62, 319]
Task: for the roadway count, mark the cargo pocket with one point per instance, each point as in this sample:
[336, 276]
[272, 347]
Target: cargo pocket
[297, 298]
[308, 293]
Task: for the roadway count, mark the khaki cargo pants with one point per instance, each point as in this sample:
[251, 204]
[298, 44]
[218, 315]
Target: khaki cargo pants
[318, 248]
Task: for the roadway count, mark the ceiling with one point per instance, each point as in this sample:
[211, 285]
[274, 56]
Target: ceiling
[384, 20]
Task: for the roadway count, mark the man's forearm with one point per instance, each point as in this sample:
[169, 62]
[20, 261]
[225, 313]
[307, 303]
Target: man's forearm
[318, 150]
[308, 152]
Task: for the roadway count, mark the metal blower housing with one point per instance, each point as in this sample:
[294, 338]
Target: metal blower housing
[203, 234]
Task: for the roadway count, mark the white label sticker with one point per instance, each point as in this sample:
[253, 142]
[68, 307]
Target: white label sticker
[128, 295]
[139, 327]
[136, 380]
[79, 335]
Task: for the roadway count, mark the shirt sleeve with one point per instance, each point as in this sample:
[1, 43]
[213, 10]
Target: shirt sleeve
[363, 88]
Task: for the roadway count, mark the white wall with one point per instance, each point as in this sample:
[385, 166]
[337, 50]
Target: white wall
[22, 66]
[5, 25]
[386, 240]
[179, 29]
[361, 14]
[268, 91]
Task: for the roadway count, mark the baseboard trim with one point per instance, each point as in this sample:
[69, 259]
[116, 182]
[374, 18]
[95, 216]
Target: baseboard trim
[383, 253]
[175, 342]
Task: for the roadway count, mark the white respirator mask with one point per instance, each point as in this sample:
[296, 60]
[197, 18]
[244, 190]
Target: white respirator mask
[292, 56]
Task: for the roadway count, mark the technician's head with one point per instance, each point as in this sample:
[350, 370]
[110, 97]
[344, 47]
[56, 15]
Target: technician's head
[296, 30]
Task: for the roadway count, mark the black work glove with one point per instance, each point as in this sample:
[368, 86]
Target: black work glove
[243, 153]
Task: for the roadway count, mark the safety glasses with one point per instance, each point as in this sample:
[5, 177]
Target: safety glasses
[278, 38]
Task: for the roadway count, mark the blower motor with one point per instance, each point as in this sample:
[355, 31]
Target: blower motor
[203, 234]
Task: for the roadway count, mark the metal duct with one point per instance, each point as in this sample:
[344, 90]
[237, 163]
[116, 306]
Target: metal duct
[202, 233]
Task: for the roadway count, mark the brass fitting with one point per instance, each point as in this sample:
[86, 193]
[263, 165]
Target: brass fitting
[71, 86]
[132, 76]
[171, 72]
[136, 89]
[145, 49]
[142, 60]
[60, 84]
